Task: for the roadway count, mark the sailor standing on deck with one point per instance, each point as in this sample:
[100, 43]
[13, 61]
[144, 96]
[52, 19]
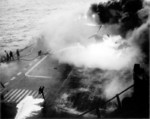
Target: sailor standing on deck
[18, 54]
[7, 56]
[11, 55]
[41, 91]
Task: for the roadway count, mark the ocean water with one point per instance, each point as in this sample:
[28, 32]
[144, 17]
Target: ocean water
[20, 20]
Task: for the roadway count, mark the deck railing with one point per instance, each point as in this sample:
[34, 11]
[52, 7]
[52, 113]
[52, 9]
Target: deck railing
[116, 96]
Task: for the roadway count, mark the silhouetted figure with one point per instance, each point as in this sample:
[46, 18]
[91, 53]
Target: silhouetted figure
[137, 106]
[141, 90]
[97, 103]
[138, 79]
[118, 101]
[2, 97]
[2, 58]
[7, 56]
[98, 112]
[11, 55]
[39, 53]
[2, 85]
[18, 54]
[41, 91]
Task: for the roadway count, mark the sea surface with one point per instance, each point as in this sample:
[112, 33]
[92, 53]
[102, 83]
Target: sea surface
[20, 20]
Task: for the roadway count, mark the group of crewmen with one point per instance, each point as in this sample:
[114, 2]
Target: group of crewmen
[10, 56]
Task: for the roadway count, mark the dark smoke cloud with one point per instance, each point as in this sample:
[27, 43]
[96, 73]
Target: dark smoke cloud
[123, 12]
[141, 38]
[132, 18]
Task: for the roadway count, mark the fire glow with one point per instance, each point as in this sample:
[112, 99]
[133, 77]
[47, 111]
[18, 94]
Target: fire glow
[28, 107]
[71, 43]
[104, 55]
[108, 50]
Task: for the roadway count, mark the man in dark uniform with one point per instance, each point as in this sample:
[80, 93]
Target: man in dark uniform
[7, 56]
[18, 54]
[39, 53]
[11, 55]
[41, 91]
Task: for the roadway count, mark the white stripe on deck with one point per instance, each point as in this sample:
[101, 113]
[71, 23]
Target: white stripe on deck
[13, 78]
[6, 83]
[18, 95]
[36, 94]
[22, 96]
[13, 95]
[8, 93]
[33, 93]
[19, 73]
[32, 76]
[39, 96]
[35, 65]
[17, 101]
[30, 92]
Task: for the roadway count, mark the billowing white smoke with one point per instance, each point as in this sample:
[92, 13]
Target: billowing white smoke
[105, 55]
[8, 69]
[28, 107]
[68, 39]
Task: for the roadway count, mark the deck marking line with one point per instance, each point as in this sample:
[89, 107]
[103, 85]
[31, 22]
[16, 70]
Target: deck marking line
[19, 73]
[15, 98]
[32, 93]
[46, 77]
[22, 96]
[16, 90]
[13, 78]
[36, 94]
[28, 94]
[6, 83]
[14, 95]
[26, 74]
[8, 93]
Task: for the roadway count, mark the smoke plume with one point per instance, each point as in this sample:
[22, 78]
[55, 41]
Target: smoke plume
[110, 36]
[70, 43]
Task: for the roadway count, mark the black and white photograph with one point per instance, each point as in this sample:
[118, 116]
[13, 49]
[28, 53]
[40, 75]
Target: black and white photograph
[74, 59]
